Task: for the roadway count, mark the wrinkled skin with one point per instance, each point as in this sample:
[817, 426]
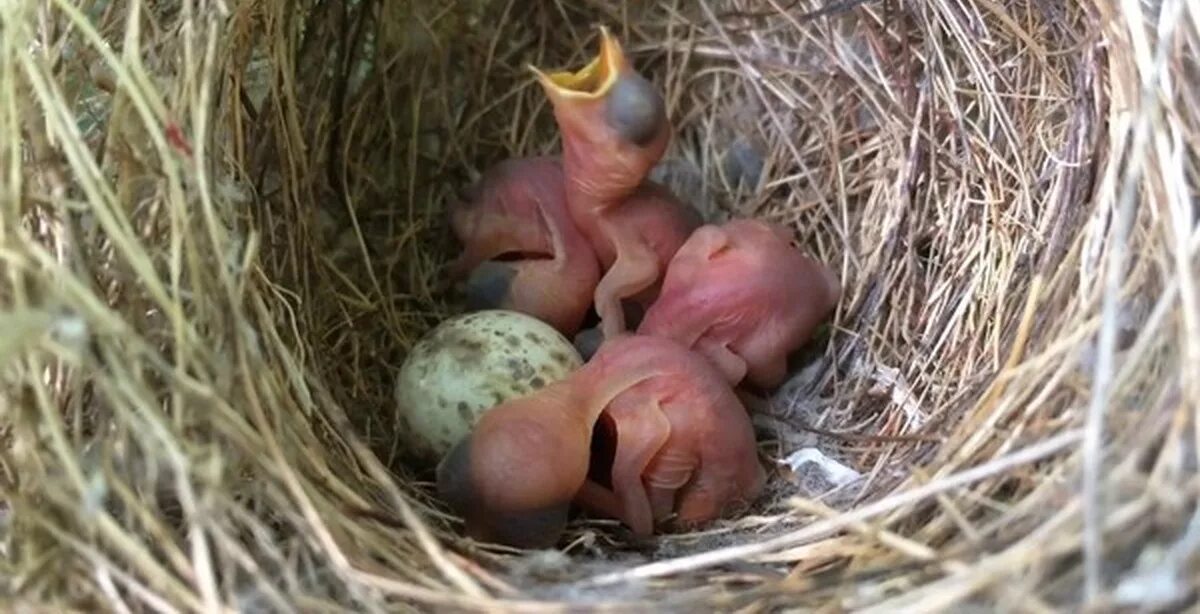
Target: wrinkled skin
[521, 249]
[742, 296]
[614, 130]
[635, 243]
[683, 443]
[613, 122]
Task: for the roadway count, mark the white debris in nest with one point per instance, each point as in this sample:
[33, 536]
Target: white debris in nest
[1160, 587]
[71, 329]
[545, 564]
[812, 465]
[1162, 578]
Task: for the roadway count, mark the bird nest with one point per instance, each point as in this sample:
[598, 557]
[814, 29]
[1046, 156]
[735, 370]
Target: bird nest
[224, 224]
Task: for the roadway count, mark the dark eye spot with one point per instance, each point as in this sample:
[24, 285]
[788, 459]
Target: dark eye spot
[588, 342]
[635, 110]
[487, 286]
[537, 382]
[464, 411]
[454, 477]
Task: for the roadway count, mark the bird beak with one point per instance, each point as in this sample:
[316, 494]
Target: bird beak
[591, 82]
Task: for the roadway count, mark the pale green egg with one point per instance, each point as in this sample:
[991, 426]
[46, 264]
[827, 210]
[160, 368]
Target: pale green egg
[469, 364]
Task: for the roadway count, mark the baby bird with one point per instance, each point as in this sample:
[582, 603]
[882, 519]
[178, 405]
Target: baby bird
[521, 249]
[614, 130]
[742, 296]
[683, 443]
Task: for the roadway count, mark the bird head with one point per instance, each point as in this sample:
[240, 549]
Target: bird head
[514, 477]
[613, 122]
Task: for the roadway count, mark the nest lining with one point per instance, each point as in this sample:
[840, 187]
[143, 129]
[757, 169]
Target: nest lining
[223, 227]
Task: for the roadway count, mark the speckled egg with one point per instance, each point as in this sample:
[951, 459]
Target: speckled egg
[469, 364]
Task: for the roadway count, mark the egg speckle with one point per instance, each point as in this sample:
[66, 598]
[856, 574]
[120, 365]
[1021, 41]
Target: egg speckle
[469, 364]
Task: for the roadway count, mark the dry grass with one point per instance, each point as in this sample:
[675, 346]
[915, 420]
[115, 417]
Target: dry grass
[221, 228]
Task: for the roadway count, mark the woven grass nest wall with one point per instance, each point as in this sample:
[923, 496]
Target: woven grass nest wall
[223, 225]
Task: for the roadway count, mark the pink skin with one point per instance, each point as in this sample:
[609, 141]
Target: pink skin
[635, 242]
[742, 296]
[521, 250]
[613, 122]
[614, 130]
[684, 443]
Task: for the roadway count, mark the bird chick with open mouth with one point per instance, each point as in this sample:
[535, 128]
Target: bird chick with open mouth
[614, 129]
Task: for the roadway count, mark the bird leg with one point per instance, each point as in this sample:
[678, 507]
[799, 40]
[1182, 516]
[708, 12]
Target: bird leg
[635, 269]
[642, 430]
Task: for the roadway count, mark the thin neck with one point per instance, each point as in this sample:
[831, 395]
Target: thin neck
[606, 384]
[592, 182]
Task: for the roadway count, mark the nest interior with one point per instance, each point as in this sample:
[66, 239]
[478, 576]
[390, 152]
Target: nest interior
[223, 225]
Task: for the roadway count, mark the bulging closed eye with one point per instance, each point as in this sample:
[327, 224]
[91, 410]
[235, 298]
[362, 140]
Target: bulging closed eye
[489, 285]
[635, 110]
[539, 528]
[454, 478]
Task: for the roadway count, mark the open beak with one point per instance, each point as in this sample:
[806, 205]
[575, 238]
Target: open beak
[591, 82]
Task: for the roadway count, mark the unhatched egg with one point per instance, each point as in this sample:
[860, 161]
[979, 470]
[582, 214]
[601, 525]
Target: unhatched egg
[469, 364]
